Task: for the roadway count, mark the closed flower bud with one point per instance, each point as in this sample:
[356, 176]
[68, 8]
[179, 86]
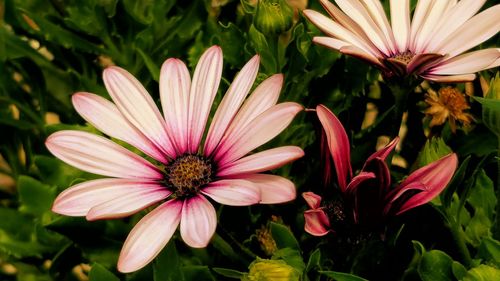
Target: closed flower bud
[273, 16]
[271, 270]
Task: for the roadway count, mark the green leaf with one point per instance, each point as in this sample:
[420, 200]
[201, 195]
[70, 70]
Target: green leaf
[458, 270]
[489, 250]
[482, 273]
[261, 46]
[154, 70]
[491, 106]
[433, 150]
[340, 276]
[100, 273]
[314, 260]
[197, 273]
[482, 198]
[292, 257]
[230, 273]
[283, 236]
[435, 265]
[456, 181]
[36, 198]
[55, 172]
[167, 264]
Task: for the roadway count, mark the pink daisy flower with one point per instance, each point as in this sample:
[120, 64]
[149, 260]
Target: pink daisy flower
[429, 45]
[183, 170]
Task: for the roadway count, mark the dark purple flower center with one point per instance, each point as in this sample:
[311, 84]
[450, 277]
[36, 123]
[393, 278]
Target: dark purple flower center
[404, 57]
[187, 173]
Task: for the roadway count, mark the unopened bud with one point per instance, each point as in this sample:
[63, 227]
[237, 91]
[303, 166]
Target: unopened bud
[271, 270]
[273, 16]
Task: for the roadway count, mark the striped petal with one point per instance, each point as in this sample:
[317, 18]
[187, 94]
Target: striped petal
[262, 161]
[430, 180]
[467, 63]
[435, 12]
[475, 31]
[99, 155]
[313, 200]
[231, 102]
[400, 19]
[198, 222]
[135, 103]
[104, 115]
[233, 192]
[418, 20]
[79, 199]
[377, 13]
[450, 78]
[175, 84]
[149, 236]
[316, 222]
[206, 81]
[338, 144]
[273, 189]
[263, 128]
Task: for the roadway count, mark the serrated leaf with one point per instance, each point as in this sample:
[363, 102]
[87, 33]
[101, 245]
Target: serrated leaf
[482, 273]
[489, 250]
[100, 273]
[435, 265]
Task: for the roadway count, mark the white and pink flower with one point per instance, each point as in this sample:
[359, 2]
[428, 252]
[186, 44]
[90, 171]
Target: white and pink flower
[430, 45]
[183, 170]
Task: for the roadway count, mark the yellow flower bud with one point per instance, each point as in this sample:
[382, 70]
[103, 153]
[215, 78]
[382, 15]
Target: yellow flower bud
[273, 16]
[271, 270]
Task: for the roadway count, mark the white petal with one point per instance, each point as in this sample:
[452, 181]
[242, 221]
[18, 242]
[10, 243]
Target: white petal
[435, 12]
[421, 12]
[262, 129]
[261, 161]
[458, 15]
[273, 189]
[135, 103]
[206, 81]
[358, 13]
[233, 192]
[79, 199]
[450, 78]
[377, 13]
[475, 31]
[104, 115]
[467, 63]
[175, 84]
[198, 222]
[231, 102]
[128, 204]
[149, 236]
[99, 155]
[400, 19]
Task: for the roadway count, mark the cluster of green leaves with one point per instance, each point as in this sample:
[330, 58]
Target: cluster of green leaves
[52, 49]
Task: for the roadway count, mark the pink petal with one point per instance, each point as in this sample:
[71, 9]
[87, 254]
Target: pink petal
[358, 180]
[128, 204]
[79, 199]
[313, 200]
[450, 78]
[231, 102]
[347, 49]
[338, 144]
[99, 155]
[384, 152]
[175, 84]
[467, 63]
[356, 11]
[104, 115]
[433, 177]
[273, 189]
[261, 161]
[233, 192]
[262, 129]
[262, 98]
[336, 30]
[206, 81]
[457, 16]
[400, 19]
[376, 11]
[421, 62]
[149, 236]
[198, 222]
[135, 103]
[475, 31]
[316, 222]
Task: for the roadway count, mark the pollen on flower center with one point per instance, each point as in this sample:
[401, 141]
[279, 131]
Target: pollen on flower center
[404, 57]
[186, 174]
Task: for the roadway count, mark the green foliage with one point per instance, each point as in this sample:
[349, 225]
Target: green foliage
[100, 273]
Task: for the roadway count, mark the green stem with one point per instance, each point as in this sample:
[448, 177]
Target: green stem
[459, 238]
[400, 93]
[496, 231]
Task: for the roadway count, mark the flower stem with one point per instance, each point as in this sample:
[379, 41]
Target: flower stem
[400, 91]
[458, 236]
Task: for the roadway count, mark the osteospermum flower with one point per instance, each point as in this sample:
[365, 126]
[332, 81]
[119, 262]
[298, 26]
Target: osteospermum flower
[429, 45]
[369, 197]
[185, 171]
